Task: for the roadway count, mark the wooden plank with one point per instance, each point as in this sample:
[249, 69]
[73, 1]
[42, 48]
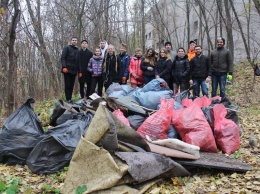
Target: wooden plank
[170, 152]
[215, 161]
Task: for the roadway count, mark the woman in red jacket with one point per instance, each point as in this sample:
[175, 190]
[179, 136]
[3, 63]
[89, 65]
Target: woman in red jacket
[136, 74]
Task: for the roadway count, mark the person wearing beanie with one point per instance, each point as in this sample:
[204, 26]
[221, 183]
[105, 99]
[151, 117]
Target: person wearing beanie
[168, 46]
[191, 52]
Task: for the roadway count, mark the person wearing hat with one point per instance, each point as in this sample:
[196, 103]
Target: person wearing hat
[191, 52]
[168, 46]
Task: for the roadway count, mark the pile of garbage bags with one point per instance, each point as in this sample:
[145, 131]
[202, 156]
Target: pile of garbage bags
[23, 141]
[115, 140]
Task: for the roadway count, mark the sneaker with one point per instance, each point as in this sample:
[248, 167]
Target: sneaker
[69, 101]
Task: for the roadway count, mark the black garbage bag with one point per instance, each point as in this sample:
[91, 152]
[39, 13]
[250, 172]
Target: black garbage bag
[184, 94]
[59, 115]
[232, 115]
[20, 133]
[173, 133]
[57, 146]
[136, 121]
[208, 113]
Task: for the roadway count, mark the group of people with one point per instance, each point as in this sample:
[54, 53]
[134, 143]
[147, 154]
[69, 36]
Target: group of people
[179, 70]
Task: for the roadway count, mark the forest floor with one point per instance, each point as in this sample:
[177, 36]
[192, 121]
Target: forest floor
[242, 93]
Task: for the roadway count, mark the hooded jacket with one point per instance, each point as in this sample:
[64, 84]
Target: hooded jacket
[135, 67]
[181, 67]
[125, 62]
[95, 66]
[191, 54]
[103, 51]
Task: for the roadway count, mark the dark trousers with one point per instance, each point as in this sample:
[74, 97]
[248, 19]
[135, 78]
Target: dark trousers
[182, 85]
[94, 82]
[69, 81]
[81, 89]
[147, 79]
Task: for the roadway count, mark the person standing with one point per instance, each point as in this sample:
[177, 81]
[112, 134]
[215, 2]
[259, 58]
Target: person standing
[200, 70]
[85, 80]
[111, 67]
[148, 65]
[103, 47]
[136, 73]
[191, 52]
[95, 68]
[163, 66]
[69, 61]
[125, 62]
[180, 72]
[222, 64]
[168, 46]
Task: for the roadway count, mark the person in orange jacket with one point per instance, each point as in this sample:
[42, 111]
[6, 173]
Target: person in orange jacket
[136, 74]
[191, 52]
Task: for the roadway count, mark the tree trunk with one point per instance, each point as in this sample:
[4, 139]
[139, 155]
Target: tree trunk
[230, 42]
[188, 21]
[36, 22]
[12, 72]
[257, 6]
[143, 26]
[242, 33]
[202, 8]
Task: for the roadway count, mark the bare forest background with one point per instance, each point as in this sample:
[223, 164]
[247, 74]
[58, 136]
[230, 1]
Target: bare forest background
[33, 34]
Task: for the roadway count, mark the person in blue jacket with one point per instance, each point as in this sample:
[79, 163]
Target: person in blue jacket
[124, 62]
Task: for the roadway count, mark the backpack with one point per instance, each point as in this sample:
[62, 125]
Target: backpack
[257, 70]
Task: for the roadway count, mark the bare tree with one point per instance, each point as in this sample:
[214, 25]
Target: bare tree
[257, 6]
[11, 91]
[41, 44]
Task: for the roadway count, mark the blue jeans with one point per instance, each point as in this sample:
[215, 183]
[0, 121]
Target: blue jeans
[221, 81]
[200, 83]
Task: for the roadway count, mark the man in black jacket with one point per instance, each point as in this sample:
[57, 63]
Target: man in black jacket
[85, 80]
[69, 61]
[222, 64]
[200, 71]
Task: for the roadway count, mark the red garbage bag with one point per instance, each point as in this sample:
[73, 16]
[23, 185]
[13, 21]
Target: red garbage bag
[205, 101]
[120, 115]
[186, 102]
[193, 127]
[225, 130]
[157, 125]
